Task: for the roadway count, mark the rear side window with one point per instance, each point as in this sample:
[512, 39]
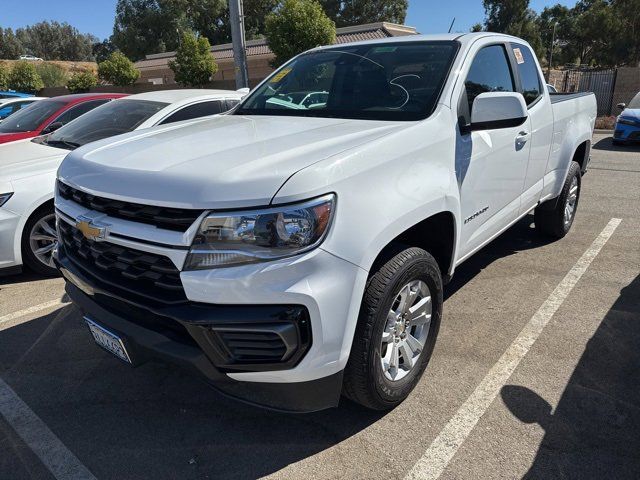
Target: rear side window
[489, 72]
[528, 71]
[76, 111]
[197, 110]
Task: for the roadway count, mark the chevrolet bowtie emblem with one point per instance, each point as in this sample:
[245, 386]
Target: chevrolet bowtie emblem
[91, 231]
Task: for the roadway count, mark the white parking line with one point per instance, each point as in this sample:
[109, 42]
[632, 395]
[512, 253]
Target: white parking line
[63, 464]
[28, 311]
[431, 465]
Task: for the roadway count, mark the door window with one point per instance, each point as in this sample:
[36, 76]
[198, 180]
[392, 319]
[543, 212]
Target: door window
[528, 71]
[197, 110]
[489, 72]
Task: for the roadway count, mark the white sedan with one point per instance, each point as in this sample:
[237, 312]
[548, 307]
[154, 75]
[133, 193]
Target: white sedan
[11, 105]
[28, 167]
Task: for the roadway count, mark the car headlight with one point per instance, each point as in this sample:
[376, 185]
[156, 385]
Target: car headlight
[628, 121]
[4, 198]
[236, 238]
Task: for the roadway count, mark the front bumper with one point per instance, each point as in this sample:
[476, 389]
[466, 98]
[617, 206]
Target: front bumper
[9, 223]
[626, 133]
[178, 335]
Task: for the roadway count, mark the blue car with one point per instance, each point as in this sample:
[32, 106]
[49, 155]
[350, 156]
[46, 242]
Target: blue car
[13, 94]
[628, 124]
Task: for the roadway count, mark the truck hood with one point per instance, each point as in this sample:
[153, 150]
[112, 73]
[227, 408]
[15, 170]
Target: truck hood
[24, 159]
[222, 162]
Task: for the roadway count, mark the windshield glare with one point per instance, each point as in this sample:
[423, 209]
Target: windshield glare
[30, 118]
[635, 103]
[385, 81]
[113, 118]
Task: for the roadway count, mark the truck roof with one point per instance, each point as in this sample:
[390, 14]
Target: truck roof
[464, 38]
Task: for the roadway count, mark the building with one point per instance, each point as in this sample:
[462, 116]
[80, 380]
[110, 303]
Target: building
[155, 67]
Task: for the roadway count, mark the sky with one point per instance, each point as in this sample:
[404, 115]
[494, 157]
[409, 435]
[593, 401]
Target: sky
[96, 16]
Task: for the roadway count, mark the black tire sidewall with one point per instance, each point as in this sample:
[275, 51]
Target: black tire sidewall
[574, 171]
[418, 268]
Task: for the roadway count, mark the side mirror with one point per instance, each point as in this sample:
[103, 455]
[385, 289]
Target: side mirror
[52, 127]
[622, 106]
[493, 110]
[244, 90]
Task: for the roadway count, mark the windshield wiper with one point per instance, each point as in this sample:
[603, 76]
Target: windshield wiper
[63, 143]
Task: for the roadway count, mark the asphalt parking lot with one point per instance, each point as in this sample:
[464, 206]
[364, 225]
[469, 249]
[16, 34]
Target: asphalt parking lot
[569, 407]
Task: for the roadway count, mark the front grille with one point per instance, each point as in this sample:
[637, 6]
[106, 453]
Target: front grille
[123, 271]
[176, 219]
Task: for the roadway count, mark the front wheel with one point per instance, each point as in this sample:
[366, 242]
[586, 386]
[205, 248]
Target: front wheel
[396, 332]
[39, 240]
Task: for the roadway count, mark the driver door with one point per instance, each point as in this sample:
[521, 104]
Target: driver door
[490, 164]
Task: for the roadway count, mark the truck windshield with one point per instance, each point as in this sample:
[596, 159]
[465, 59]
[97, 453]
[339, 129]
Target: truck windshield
[113, 118]
[31, 117]
[384, 81]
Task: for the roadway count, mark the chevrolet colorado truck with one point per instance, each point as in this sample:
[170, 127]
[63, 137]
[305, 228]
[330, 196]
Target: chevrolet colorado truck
[296, 248]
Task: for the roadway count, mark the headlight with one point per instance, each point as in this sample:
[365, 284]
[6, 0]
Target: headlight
[237, 238]
[628, 121]
[4, 197]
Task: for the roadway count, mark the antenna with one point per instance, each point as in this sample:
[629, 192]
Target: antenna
[451, 26]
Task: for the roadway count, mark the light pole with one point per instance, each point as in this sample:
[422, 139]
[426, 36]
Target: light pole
[239, 46]
[553, 40]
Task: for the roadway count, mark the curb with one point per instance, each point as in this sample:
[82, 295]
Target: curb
[600, 130]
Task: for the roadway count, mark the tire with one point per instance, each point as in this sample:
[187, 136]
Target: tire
[553, 218]
[42, 224]
[367, 381]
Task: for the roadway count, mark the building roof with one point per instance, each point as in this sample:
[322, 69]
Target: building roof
[370, 31]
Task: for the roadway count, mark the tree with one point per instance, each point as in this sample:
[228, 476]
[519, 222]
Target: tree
[25, 78]
[4, 76]
[194, 65]
[358, 12]
[56, 41]
[102, 50]
[10, 47]
[513, 17]
[118, 70]
[52, 75]
[627, 48]
[296, 26]
[81, 81]
[476, 27]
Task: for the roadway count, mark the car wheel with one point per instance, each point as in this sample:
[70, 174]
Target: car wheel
[555, 217]
[39, 240]
[396, 331]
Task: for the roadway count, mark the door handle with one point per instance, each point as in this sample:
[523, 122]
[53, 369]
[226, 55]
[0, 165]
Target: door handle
[523, 136]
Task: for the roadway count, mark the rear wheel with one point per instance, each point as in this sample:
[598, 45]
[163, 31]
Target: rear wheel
[39, 240]
[555, 217]
[396, 332]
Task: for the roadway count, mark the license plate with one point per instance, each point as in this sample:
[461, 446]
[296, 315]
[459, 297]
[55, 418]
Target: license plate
[108, 340]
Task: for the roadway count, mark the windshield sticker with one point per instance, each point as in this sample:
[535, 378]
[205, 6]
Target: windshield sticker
[518, 54]
[280, 75]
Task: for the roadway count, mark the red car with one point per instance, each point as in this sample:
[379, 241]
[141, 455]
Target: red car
[45, 116]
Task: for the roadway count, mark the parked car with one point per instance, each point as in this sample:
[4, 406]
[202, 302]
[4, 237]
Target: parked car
[30, 58]
[9, 106]
[48, 115]
[293, 254]
[27, 168]
[627, 129]
[13, 94]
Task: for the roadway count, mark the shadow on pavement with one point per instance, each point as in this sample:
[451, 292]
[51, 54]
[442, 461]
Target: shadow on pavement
[153, 421]
[24, 277]
[594, 432]
[521, 236]
[607, 144]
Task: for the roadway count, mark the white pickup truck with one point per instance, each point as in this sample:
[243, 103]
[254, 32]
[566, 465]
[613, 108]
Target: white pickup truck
[296, 249]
